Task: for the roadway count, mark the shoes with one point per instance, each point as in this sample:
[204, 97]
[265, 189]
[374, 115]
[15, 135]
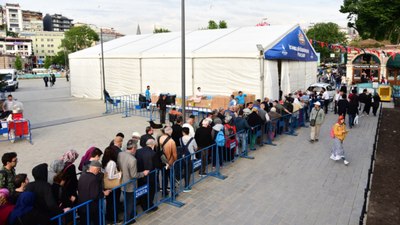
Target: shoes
[316, 140]
[153, 210]
[346, 162]
[332, 157]
[311, 141]
[202, 175]
[187, 190]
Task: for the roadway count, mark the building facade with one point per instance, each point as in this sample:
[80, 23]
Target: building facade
[378, 65]
[56, 22]
[32, 21]
[13, 17]
[16, 46]
[44, 43]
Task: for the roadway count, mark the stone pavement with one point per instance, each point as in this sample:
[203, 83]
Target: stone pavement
[292, 183]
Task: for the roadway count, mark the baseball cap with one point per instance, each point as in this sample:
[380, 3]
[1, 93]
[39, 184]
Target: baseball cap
[317, 103]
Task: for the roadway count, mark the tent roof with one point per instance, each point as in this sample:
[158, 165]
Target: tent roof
[231, 42]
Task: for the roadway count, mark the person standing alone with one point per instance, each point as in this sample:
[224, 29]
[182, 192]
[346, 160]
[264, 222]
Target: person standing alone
[317, 117]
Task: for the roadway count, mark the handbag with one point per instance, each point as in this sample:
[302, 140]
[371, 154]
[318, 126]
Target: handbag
[356, 120]
[312, 121]
[111, 183]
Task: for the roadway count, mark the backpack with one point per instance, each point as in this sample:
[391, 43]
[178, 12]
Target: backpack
[332, 132]
[183, 149]
[220, 139]
[231, 131]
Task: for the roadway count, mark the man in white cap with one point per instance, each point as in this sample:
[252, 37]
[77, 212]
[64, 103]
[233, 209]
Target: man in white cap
[317, 117]
[136, 136]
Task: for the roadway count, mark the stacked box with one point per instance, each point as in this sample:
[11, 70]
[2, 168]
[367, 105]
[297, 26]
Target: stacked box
[220, 101]
[203, 103]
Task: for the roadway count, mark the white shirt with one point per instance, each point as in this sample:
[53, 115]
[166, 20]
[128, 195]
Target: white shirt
[325, 95]
[111, 170]
[337, 97]
[191, 129]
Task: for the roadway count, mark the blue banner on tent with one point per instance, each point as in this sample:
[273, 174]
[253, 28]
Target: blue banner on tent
[293, 46]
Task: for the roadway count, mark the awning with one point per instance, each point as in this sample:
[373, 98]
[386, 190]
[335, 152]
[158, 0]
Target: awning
[394, 63]
[294, 46]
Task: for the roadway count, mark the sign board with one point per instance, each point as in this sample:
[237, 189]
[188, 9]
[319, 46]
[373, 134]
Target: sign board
[141, 191]
[196, 164]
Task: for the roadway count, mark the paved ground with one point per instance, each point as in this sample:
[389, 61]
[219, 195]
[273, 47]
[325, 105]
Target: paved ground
[292, 183]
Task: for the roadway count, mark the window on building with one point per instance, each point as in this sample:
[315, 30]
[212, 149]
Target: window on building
[42, 39]
[42, 45]
[42, 51]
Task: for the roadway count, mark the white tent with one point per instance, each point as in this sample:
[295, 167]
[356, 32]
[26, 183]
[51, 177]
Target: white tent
[220, 61]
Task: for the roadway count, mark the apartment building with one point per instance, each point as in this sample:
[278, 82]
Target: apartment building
[32, 21]
[56, 22]
[13, 17]
[16, 46]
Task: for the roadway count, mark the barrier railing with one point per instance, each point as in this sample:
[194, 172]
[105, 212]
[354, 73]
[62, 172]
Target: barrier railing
[182, 175]
[16, 129]
[87, 214]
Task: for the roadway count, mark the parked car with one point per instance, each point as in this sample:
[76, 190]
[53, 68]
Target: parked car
[10, 76]
[318, 87]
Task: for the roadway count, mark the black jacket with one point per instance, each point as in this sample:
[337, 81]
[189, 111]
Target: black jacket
[90, 188]
[352, 107]
[342, 106]
[254, 119]
[176, 133]
[144, 138]
[377, 100]
[44, 199]
[162, 103]
[145, 159]
[203, 137]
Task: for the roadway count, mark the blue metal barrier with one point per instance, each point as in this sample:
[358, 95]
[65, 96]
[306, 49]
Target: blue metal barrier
[85, 211]
[16, 129]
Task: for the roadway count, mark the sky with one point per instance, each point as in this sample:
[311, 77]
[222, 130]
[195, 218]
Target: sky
[125, 15]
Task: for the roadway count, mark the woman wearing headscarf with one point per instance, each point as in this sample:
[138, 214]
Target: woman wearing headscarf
[24, 212]
[69, 173]
[339, 132]
[5, 207]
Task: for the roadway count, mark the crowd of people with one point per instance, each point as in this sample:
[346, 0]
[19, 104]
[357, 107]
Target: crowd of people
[58, 186]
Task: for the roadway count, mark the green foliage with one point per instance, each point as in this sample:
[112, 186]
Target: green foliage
[160, 30]
[18, 63]
[212, 25]
[60, 58]
[376, 19]
[48, 62]
[12, 34]
[78, 38]
[328, 33]
[222, 24]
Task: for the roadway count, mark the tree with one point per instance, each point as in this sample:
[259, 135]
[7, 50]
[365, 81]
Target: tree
[328, 33]
[222, 24]
[11, 34]
[18, 63]
[212, 25]
[60, 59]
[376, 19]
[78, 38]
[48, 62]
[160, 30]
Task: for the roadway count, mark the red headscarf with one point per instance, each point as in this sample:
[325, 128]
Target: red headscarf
[340, 118]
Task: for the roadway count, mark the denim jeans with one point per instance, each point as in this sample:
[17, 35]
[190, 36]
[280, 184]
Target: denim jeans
[243, 140]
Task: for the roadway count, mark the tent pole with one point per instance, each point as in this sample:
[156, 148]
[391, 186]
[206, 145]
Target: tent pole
[262, 75]
[102, 61]
[183, 59]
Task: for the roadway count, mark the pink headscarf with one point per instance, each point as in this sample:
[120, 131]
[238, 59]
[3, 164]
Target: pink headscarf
[70, 156]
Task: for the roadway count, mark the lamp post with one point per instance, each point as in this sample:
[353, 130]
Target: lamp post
[183, 60]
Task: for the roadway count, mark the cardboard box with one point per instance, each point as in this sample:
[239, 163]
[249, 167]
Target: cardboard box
[203, 104]
[220, 101]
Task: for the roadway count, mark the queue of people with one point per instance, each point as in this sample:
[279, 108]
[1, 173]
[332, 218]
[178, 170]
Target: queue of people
[58, 187]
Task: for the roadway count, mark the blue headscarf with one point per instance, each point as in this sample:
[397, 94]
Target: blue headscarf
[24, 205]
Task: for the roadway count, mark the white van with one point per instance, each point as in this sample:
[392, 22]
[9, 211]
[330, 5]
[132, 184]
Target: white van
[10, 76]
